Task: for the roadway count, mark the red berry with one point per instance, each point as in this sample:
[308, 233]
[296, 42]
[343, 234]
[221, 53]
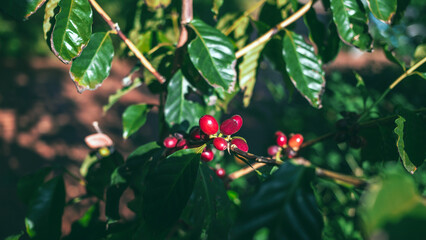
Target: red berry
[207, 155]
[195, 134]
[278, 133]
[170, 142]
[295, 141]
[239, 120]
[220, 143]
[181, 144]
[241, 144]
[282, 140]
[220, 172]
[272, 150]
[208, 124]
[229, 126]
[291, 153]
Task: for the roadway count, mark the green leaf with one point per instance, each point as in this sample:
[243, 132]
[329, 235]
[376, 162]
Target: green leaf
[49, 13]
[21, 9]
[383, 10]
[247, 74]
[14, 237]
[93, 65]
[411, 130]
[304, 68]
[134, 117]
[72, 30]
[154, 4]
[169, 185]
[285, 204]
[208, 207]
[89, 226]
[112, 99]
[351, 22]
[178, 110]
[28, 185]
[216, 6]
[213, 55]
[44, 216]
[392, 205]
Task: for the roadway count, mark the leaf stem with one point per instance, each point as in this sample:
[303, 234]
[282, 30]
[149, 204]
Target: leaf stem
[132, 47]
[392, 86]
[268, 35]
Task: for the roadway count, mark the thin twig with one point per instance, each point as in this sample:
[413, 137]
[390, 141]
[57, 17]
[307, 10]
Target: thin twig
[132, 47]
[186, 17]
[268, 35]
[244, 171]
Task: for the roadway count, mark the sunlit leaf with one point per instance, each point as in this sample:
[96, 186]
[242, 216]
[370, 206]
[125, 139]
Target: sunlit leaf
[179, 110]
[392, 206]
[216, 6]
[94, 64]
[49, 13]
[72, 30]
[285, 204]
[304, 68]
[351, 21]
[44, 216]
[213, 55]
[383, 10]
[157, 3]
[134, 117]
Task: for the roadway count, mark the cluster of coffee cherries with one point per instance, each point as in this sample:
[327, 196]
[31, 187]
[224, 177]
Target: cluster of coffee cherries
[286, 146]
[347, 130]
[208, 132]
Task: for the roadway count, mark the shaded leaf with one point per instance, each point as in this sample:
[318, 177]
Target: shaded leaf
[94, 64]
[49, 13]
[72, 30]
[213, 55]
[177, 109]
[89, 226]
[400, 10]
[169, 185]
[134, 117]
[208, 207]
[14, 237]
[247, 74]
[112, 99]
[383, 10]
[411, 140]
[21, 9]
[44, 217]
[351, 22]
[393, 206]
[28, 185]
[285, 204]
[304, 68]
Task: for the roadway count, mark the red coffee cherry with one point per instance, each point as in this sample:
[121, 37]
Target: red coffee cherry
[182, 144]
[239, 120]
[229, 126]
[282, 140]
[207, 155]
[272, 150]
[208, 124]
[220, 172]
[241, 144]
[291, 153]
[195, 134]
[220, 143]
[278, 133]
[170, 142]
[295, 141]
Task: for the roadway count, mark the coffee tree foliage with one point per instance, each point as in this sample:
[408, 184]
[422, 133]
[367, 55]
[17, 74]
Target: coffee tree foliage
[206, 57]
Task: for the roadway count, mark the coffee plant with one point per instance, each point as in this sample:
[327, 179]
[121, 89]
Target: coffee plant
[362, 178]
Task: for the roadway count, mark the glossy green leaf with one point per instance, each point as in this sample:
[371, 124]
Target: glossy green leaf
[247, 74]
[169, 185]
[44, 216]
[72, 30]
[411, 139]
[392, 205]
[383, 10]
[179, 110]
[351, 22]
[325, 38]
[134, 117]
[208, 207]
[49, 13]
[285, 204]
[304, 68]
[94, 64]
[28, 185]
[213, 55]
[112, 99]
[21, 9]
